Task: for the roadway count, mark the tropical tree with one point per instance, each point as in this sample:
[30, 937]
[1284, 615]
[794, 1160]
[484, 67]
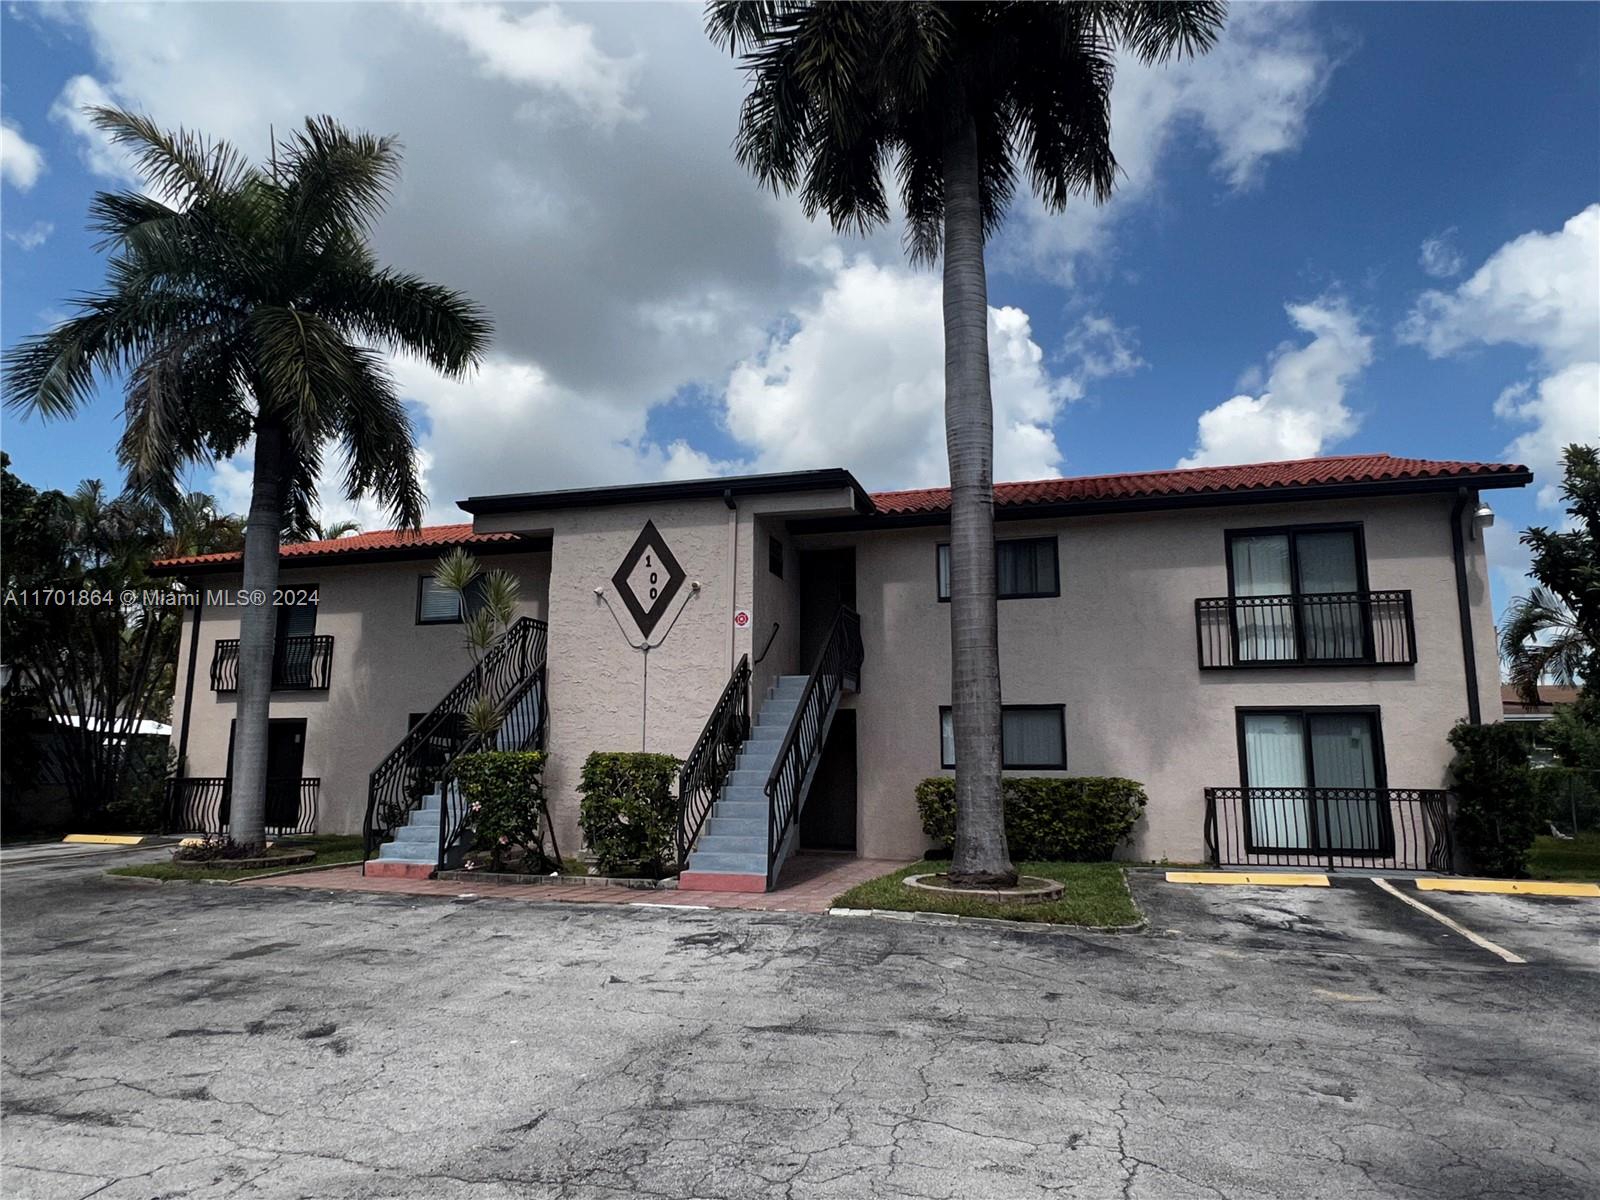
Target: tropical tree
[956, 99]
[488, 606]
[1554, 632]
[244, 302]
[332, 531]
[85, 674]
[1541, 641]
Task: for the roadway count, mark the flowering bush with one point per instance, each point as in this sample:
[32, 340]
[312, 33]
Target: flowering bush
[504, 794]
[629, 812]
[210, 849]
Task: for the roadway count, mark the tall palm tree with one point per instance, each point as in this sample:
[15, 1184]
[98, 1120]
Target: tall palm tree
[955, 99]
[1541, 641]
[243, 302]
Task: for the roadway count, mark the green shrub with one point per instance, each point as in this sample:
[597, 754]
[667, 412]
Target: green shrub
[1497, 807]
[504, 794]
[629, 812]
[1047, 820]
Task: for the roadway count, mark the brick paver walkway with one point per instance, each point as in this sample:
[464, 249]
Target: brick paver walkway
[809, 884]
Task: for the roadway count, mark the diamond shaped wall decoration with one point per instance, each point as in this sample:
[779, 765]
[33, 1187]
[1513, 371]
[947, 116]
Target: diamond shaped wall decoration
[648, 578]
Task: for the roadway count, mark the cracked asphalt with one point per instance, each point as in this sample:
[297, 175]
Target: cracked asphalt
[182, 1041]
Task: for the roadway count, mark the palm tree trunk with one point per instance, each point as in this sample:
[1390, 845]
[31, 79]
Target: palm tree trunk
[980, 850]
[257, 635]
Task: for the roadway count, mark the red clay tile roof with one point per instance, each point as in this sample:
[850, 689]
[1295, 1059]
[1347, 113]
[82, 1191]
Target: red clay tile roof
[429, 537]
[1202, 481]
[1550, 695]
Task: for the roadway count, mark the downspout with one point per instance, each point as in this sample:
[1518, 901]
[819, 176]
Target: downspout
[1469, 654]
[733, 572]
[188, 687]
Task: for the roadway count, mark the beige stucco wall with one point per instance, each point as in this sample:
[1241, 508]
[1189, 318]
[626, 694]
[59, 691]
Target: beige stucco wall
[1117, 648]
[597, 685]
[385, 666]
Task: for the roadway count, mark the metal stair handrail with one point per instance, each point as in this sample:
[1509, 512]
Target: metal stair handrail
[406, 773]
[521, 727]
[701, 777]
[838, 665]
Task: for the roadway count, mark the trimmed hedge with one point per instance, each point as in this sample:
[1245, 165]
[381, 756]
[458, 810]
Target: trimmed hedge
[629, 812]
[504, 794]
[1497, 803]
[1047, 820]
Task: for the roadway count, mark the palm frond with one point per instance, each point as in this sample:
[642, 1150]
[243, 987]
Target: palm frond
[405, 313]
[183, 166]
[335, 181]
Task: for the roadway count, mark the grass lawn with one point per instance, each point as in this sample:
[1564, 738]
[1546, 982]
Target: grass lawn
[1096, 896]
[1577, 861]
[331, 849]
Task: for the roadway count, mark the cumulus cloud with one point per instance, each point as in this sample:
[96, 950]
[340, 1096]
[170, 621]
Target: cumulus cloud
[542, 48]
[1098, 348]
[1302, 408]
[1541, 291]
[21, 162]
[857, 380]
[1251, 95]
[1439, 257]
[33, 236]
[98, 152]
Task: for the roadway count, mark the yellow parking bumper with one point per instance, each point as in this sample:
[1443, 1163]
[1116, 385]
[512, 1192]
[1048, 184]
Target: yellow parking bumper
[1510, 887]
[1259, 878]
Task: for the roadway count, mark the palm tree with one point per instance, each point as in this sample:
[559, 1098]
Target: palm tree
[1541, 640]
[956, 99]
[242, 303]
[332, 531]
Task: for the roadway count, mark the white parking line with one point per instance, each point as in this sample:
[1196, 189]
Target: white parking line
[1477, 939]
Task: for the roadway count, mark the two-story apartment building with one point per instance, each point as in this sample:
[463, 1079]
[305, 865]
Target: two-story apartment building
[1275, 651]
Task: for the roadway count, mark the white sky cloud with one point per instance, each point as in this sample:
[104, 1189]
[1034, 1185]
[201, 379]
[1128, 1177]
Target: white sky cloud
[21, 162]
[1541, 291]
[99, 154]
[570, 169]
[1439, 257]
[1252, 95]
[1302, 408]
[858, 381]
[32, 237]
[542, 48]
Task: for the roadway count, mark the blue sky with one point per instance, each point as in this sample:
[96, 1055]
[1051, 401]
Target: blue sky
[659, 316]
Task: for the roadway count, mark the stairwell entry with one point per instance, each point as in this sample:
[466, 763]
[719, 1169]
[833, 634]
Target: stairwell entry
[731, 854]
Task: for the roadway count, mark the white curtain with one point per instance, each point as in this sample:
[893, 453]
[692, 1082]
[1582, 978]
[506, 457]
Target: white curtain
[1275, 757]
[1261, 568]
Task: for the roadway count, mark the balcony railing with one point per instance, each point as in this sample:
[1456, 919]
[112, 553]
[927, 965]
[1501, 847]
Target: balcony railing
[1336, 629]
[298, 664]
[1400, 829]
[202, 805]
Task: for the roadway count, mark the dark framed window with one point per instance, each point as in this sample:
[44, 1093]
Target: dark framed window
[294, 651]
[1024, 568]
[1314, 780]
[1032, 737]
[1299, 593]
[775, 556]
[442, 606]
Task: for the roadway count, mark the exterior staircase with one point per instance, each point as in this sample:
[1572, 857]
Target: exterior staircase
[731, 852]
[414, 852]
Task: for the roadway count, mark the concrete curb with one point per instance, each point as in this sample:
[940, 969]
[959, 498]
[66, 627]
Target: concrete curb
[932, 918]
[507, 879]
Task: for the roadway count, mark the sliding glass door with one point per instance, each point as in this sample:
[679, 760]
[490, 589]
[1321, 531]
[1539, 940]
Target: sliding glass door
[1314, 782]
[1298, 595]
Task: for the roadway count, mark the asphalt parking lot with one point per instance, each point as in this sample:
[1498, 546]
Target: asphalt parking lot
[179, 1041]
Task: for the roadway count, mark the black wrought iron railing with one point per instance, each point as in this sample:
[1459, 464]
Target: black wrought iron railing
[521, 727]
[410, 771]
[1400, 829]
[1332, 629]
[715, 751]
[838, 667]
[204, 805]
[298, 663]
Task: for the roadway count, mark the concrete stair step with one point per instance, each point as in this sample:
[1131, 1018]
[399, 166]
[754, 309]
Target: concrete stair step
[733, 864]
[753, 826]
[402, 852]
[725, 844]
[751, 809]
